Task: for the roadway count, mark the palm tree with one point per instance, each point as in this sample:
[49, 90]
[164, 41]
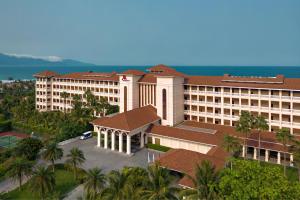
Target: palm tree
[159, 184]
[296, 153]
[102, 106]
[260, 124]
[284, 136]
[64, 95]
[244, 126]
[42, 181]
[75, 158]
[231, 145]
[205, 181]
[52, 153]
[19, 169]
[94, 183]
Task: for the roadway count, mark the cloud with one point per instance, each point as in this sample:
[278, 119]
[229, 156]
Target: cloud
[48, 58]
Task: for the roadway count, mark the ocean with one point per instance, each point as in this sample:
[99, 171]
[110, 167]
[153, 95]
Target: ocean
[26, 72]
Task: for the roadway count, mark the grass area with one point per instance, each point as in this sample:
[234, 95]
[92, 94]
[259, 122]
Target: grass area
[158, 147]
[64, 183]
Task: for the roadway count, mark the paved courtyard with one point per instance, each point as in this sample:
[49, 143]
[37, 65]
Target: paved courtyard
[107, 160]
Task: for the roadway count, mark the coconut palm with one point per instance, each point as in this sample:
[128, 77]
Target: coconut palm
[19, 169]
[260, 124]
[159, 184]
[231, 145]
[205, 181]
[42, 181]
[75, 159]
[244, 126]
[94, 183]
[52, 153]
[64, 95]
[284, 136]
[118, 186]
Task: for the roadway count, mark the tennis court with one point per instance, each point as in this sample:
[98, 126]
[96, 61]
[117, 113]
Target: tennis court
[8, 141]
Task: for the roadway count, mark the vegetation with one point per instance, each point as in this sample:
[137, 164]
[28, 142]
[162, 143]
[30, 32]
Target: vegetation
[75, 159]
[52, 153]
[232, 146]
[158, 147]
[260, 124]
[28, 148]
[42, 181]
[283, 135]
[94, 183]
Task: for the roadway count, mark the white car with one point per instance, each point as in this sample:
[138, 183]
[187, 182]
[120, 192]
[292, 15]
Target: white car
[86, 135]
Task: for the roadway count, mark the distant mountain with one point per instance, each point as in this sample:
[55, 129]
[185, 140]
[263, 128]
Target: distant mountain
[28, 60]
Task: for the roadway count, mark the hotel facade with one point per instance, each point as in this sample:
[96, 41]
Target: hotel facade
[191, 113]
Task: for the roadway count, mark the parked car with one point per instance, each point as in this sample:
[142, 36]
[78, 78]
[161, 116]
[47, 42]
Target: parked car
[86, 135]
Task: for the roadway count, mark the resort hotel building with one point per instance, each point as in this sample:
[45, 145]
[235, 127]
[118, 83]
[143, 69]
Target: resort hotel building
[190, 114]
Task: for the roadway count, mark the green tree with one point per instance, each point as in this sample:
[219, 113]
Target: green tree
[295, 149]
[284, 136]
[159, 184]
[28, 148]
[118, 186]
[260, 124]
[250, 180]
[205, 181]
[19, 169]
[74, 159]
[102, 106]
[244, 126]
[231, 145]
[64, 95]
[42, 181]
[52, 153]
[94, 183]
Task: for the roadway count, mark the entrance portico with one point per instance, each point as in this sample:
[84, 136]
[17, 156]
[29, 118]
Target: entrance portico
[125, 132]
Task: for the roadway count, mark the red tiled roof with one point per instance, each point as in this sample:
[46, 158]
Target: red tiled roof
[185, 161]
[148, 78]
[91, 76]
[163, 70]
[288, 83]
[129, 120]
[133, 72]
[19, 135]
[46, 74]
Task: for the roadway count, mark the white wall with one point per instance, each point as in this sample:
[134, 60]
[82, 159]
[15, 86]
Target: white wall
[132, 92]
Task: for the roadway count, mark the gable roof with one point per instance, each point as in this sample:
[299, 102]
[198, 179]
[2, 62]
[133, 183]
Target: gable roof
[129, 120]
[46, 74]
[133, 72]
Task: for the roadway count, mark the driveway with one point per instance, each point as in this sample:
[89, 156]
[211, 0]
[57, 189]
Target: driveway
[105, 159]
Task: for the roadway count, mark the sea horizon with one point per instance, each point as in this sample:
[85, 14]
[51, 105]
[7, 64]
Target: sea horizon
[26, 72]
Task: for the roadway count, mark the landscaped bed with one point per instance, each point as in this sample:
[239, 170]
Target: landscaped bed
[158, 147]
[64, 183]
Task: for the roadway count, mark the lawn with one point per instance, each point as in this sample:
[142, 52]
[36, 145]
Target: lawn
[64, 183]
[158, 147]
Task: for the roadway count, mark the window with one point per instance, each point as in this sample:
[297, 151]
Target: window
[164, 103]
[125, 98]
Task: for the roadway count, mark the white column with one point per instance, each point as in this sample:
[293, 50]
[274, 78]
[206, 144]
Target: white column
[267, 155]
[291, 159]
[120, 142]
[99, 139]
[244, 151]
[278, 158]
[255, 153]
[113, 137]
[142, 139]
[105, 139]
[128, 144]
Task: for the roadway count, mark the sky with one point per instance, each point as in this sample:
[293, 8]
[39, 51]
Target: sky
[146, 32]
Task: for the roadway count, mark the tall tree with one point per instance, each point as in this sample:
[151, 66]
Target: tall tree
[19, 169]
[52, 153]
[74, 159]
[118, 186]
[159, 184]
[231, 145]
[260, 124]
[284, 136]
[64, 95]
[244, 126]
[42, 181]
[295, 148]
[102, 106]
[206, 183]
[94, 183]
